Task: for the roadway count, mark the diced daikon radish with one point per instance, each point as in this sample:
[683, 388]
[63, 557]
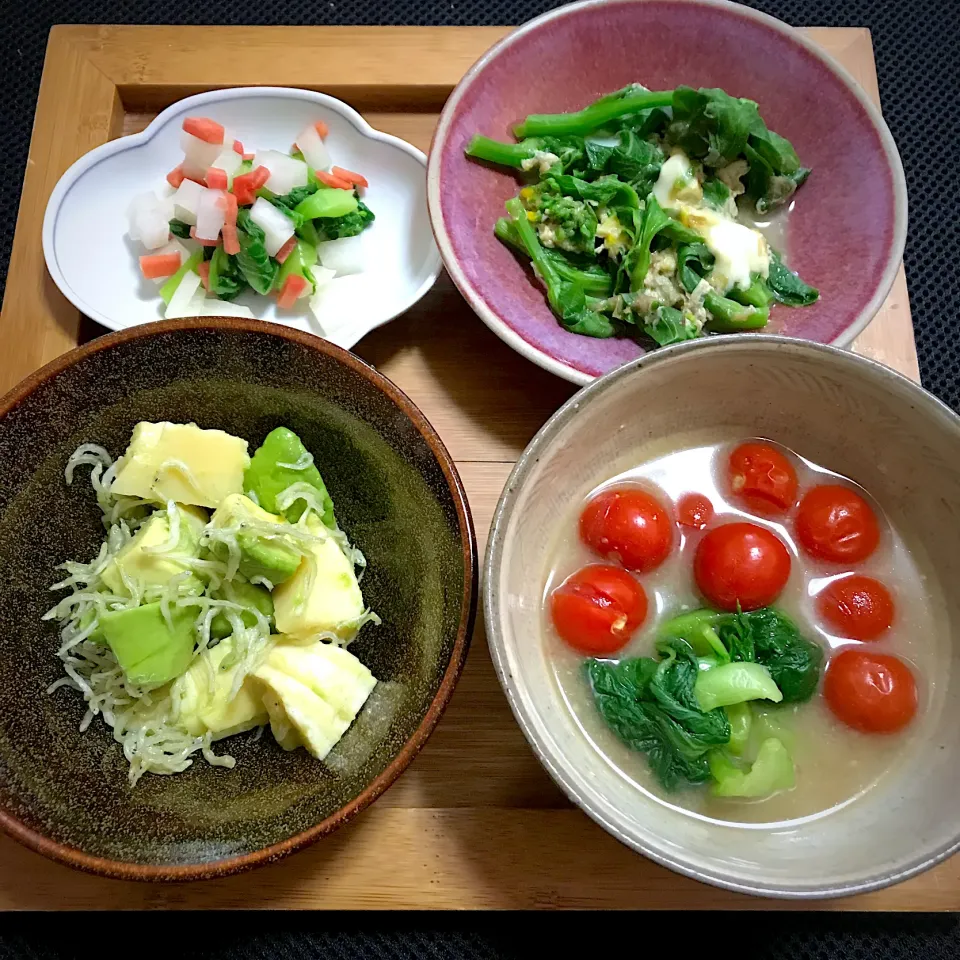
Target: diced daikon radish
[152, 228]
[198, 151]
[322, 275]
[186, 202]
[210, 214]
[346, 255]
[174, 246]
[314, 150]
[285, 172]
[228, 160]
[194, 171]
[225, 308]
[277, 226]
[182, 303]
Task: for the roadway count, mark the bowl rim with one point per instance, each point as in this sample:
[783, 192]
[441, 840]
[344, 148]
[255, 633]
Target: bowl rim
[68, 180]
[492, 606]
[564, 370]
[124, 870]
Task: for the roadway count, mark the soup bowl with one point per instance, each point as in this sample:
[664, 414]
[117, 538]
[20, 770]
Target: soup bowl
[848, 414]
[65, 793]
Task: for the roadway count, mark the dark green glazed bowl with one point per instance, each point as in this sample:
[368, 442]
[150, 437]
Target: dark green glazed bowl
[398, 496]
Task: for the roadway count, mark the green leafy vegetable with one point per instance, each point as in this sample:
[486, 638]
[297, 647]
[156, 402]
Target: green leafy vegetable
[765, 636]
[635, 160]
[699, 629]
[694, 262]
[729, 316]
[258, 269]
[652, 707]
[631, 99]
[771, 772]
[169, 288]
[669, 325]
[589, 275]
[735, 683]
[715, 193]
[567, 298]
[349, 225]
[569, 151]
[758, 294]
[609, 191]
[769, 637]
[710, 125]
[180, 229]
[298, 263]
[786, 287]
[741, 724]
[326, 202]
[226, 279]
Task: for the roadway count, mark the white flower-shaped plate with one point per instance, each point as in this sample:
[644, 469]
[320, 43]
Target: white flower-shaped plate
[96, 266]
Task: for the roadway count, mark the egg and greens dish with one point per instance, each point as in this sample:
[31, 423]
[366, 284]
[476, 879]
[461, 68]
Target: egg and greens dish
[222, 599]
[631, 213]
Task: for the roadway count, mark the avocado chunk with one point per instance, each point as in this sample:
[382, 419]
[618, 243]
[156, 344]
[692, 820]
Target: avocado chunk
[148, 651]
[181, 462]
[137, 561]
[323, 595]
[264, 551]
[204, 695]
[273, 469]
[247, 595]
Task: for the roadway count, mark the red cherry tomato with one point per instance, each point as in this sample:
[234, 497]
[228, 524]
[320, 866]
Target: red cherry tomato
[596, 609]
[857, 607]
[763, 478]
[872, 692]
[694, 510]
[741, 563]
[628, 525]
[835, 523]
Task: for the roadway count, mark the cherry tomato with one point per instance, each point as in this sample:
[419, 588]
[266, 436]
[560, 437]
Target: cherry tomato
[857, 607]
[741, 563]
[763, 478]
[835, 523]
[628, 525]
[694, 510]
[596, 609]
[872, 692]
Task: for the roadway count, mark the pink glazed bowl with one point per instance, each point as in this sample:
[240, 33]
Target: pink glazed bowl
[846, 231]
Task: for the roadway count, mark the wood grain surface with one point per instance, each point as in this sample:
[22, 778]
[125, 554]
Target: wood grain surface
[475, 822]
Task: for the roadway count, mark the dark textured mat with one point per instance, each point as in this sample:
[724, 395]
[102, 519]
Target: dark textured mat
[245, 936]
[918, 58]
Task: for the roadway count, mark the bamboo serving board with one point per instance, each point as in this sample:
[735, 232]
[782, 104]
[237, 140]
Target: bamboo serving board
[475, 822]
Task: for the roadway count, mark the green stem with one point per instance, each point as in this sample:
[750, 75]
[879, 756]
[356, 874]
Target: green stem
[531, 243]
[756, 295]
[494, 151]
[728, 316]
[595, 283]
[590, 118]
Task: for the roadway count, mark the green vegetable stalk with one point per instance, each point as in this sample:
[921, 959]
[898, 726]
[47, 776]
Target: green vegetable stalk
[590, 118]
[169, 288]
[567, 298]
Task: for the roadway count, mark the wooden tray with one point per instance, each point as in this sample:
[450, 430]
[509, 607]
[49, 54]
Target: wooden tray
[475, 822]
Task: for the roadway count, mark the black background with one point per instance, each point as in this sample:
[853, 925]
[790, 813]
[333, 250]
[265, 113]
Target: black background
[917, 45]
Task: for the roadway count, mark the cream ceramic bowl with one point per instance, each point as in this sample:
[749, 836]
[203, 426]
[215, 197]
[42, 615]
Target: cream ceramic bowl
[849, 414]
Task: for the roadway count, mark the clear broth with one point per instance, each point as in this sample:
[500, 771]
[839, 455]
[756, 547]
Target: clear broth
[834, 763]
